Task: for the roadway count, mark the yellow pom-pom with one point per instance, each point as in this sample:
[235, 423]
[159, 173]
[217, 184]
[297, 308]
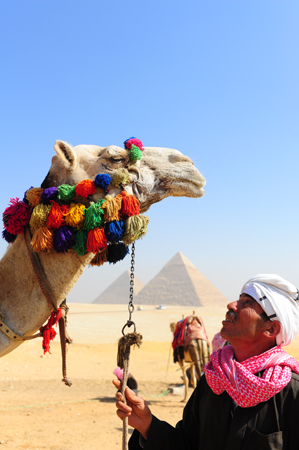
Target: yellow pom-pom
[111, 207]
[39, 216]
[33, 196]
[75, 216]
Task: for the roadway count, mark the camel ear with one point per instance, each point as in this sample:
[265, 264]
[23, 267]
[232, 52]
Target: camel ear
[66, 154]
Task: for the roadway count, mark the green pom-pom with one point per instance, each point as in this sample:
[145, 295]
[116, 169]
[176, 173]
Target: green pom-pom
[80, 242]
[66, 193]
[135, 153]
[94, 216]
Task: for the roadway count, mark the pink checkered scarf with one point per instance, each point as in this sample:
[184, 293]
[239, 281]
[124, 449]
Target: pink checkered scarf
[224, 373]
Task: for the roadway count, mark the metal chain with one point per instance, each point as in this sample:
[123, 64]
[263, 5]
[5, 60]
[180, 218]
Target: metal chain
[131, 305]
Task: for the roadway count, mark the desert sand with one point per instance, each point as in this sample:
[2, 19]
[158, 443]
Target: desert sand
[39, 412]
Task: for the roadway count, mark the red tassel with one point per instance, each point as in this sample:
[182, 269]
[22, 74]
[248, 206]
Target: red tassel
[56, 218]
[96, 240]
[48, 331]
[130, 205]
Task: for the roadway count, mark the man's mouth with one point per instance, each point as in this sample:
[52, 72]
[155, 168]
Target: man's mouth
[230, 317]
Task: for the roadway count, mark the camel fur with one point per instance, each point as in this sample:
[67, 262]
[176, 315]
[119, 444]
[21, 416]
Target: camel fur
[160, 173]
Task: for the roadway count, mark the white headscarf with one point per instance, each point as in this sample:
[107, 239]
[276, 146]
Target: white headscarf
[280, 301]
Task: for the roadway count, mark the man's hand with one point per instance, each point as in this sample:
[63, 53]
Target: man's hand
[138, 413]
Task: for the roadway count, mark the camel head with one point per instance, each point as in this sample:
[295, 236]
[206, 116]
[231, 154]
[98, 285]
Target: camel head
[172, 326]
[161, 172]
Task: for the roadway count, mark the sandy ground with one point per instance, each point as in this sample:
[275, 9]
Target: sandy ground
[37, 411]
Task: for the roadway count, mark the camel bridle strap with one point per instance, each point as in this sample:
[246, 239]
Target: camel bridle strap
[50, 297]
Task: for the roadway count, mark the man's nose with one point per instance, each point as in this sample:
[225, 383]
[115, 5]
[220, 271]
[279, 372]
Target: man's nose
[232, 305]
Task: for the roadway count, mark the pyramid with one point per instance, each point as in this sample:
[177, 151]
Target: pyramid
[180, 283]
[119, 291]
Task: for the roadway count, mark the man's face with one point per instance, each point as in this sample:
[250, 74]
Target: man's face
[243, 322]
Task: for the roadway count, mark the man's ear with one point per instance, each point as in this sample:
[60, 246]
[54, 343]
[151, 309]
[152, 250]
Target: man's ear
[273, 329]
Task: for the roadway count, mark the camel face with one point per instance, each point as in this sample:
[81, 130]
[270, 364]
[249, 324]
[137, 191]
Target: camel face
[161, 172]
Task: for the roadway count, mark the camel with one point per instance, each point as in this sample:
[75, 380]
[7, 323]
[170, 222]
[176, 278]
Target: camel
[161, 172]
[190, 345]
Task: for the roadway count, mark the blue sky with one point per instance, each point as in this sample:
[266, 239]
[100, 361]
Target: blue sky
[217, 80]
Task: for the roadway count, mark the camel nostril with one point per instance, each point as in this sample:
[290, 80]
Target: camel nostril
[180, 159]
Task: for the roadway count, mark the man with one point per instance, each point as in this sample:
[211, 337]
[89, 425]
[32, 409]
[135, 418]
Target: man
[249, 395]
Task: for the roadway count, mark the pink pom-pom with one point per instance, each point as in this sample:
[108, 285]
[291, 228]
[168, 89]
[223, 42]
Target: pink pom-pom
[16, 216]
[134, 141]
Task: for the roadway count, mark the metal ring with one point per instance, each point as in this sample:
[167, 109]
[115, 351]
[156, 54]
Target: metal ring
[128, 324]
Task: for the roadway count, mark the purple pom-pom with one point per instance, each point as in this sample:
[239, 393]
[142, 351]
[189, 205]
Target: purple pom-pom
[64, 239]
[102, 180]
[116, 252]
[9, 237]
[48, 195]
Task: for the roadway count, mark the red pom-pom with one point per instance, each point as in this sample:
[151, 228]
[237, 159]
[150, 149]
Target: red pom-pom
[85, 188]
[56, 218]
[133, 141]
[16, 216]
[96, 240]
[130, 205]
[48, 331]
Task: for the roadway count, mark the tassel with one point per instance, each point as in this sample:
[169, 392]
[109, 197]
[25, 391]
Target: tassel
[102, 181]
[16, 216]
[80, 242]
[96, 240]
[76, 215]
[130, 205]
[111, 207]
[49, 194]
[42, 240]
[100, 258]
[117, 252]
[133, 141]
[64, 239]
[33, 196]
[48, 331]
[85, 188]
[135, 228]
[56, 216]
[121, 177]
[135, 153]
[40, 215]
[9, 237]
[66, 193]
[114, 230]
[25, 198]
[94, 216]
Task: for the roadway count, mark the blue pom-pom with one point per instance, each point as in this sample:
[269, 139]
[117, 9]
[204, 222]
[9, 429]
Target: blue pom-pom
[48, 195]
[114, 230]
[64, 239]
[9, 237]
[117, 252]
[102, 180]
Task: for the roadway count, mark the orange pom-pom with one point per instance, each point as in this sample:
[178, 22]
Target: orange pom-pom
[130, 205]
[57, 214]
[33, 196]
[85, 188]
[96, 240]
[111, 207]
[42, 240]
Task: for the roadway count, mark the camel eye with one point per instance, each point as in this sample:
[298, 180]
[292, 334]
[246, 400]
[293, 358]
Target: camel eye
[117, 159]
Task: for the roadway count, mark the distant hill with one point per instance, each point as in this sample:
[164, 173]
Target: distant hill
[119, 291]
[180, 283]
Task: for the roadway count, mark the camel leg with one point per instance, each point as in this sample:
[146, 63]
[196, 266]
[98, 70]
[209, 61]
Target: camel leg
[193, 376]
[205, 354]
[185, 378]
[194, 352]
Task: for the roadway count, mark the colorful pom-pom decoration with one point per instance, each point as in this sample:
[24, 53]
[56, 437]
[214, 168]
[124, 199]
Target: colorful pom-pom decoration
[58, 222]
[135, 153]
[102, 181]
[117, 252]
[85, 188]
